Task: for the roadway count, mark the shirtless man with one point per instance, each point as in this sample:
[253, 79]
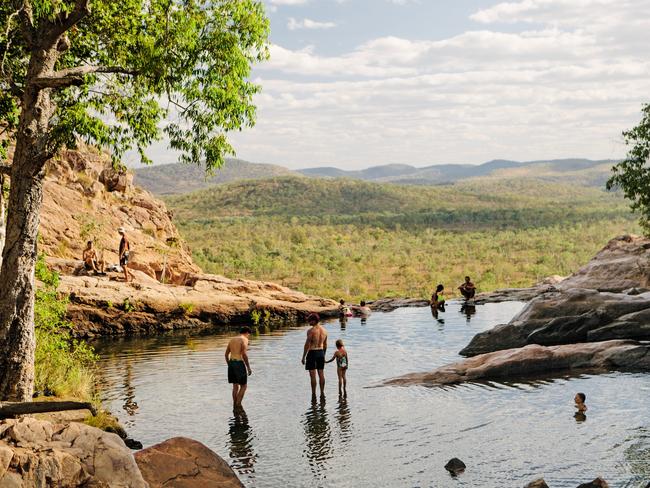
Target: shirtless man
[467, 289]
[91, 262]
[313, 356]
[238, 367]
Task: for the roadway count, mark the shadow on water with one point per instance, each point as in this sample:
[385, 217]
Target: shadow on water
[344, 419]
[318, 438]
[241, 441]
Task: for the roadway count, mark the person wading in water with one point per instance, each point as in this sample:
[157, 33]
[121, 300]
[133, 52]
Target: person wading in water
[239, 368]
[313, 356]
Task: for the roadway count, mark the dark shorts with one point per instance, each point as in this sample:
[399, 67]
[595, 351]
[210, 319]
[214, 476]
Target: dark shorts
[468, 293]
[237, 373]
[315, 360]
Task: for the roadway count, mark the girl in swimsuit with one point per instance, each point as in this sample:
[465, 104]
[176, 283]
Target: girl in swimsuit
[438, 299]
[341, 356]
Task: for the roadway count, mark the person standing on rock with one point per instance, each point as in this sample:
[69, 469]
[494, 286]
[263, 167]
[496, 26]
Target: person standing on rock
[239, 369]
[313, 356]
[125, 248]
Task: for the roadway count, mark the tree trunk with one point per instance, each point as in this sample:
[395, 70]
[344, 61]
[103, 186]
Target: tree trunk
[17, 289]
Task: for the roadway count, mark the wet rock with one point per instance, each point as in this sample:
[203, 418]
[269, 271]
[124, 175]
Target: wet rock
[39, 453]
[603, 300]
[185, 463]
[597, 483]
[540, 483]
[390, 304]
[532, 360]
[455, 466]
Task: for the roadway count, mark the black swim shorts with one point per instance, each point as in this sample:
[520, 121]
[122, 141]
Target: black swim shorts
[124, 260]
[315, 360]
[237, 373]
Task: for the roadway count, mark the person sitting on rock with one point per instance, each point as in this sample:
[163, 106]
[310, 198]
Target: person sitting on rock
[124, 250]
[438, 298]
[467, 289]
[580, 402]
[91, 261]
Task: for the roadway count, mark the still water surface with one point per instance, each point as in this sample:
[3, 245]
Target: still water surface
[507, 434]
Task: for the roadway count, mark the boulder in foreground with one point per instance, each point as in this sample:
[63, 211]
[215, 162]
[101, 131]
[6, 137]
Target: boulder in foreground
[36, 453]
[533, 360]
[185, 463]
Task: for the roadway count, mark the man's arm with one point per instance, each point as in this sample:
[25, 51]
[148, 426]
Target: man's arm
[244, 356]
[306, 348]
[228, 353]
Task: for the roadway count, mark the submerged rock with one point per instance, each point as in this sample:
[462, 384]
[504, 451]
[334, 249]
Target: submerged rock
[185, 463]
[597, 483]
[540, 483]
[606, 299]
[532, 360]
[390, 304]
[455, 466]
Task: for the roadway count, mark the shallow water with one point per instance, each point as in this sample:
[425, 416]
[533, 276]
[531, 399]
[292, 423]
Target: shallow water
[175, 385]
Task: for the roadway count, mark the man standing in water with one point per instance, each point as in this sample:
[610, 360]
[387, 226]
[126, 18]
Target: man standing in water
[313, 356]
[238, 367]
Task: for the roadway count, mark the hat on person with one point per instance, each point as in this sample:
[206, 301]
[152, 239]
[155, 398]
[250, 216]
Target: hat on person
[121, 230]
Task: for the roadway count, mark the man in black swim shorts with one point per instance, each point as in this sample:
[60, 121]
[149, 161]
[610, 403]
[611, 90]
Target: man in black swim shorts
[239, 368]
[313, 356]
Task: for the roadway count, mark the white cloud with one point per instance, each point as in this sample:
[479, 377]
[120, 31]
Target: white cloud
[288, 2]
[294, 24]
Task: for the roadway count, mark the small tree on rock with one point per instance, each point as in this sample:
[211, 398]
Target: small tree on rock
[118, 74]
[632, 175]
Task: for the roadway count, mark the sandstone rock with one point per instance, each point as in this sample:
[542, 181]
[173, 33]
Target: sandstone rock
[606, 299]
[99, 306]
[540, 483]
[597, 483]
[455, 466]
[185, 463]
[532, 360]
[390, 304]
[43, 454]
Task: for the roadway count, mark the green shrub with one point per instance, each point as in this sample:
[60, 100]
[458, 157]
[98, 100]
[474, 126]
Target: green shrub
[187, 308]
[64, 366]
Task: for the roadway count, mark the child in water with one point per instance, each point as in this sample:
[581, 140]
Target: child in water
[580, 402]
[341, 356]
[344, 310]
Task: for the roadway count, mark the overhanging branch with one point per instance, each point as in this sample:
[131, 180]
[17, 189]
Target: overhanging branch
[75, 76]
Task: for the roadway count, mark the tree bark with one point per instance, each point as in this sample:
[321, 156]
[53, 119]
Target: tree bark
[17, 288]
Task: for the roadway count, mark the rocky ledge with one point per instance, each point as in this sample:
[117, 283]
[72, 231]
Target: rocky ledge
[532, 360]
[105, 305]
[35, 453]
[609, 298]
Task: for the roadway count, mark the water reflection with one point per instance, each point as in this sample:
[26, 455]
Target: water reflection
[318, 438]
[130, 405]
[580, 417]
[241, 443]
[344, 419]
[343, 321]
[468, 309]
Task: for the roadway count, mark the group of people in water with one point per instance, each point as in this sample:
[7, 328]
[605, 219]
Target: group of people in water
[93, 263]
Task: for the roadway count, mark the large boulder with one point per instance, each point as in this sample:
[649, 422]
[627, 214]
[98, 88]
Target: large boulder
[532, 360]
[185, 463]
[606, 299]
[40, 454]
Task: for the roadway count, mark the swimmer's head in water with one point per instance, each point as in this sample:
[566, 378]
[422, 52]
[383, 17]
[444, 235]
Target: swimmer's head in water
[342, 302]
[339, 343]
[439, 288]
[363, 303]
[580, 398]
[313, 319]
[245, 331]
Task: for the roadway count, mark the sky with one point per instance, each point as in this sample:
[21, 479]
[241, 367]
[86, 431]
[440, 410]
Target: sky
[359, 83]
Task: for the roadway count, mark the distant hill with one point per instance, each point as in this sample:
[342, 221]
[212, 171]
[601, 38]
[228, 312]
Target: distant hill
[170, 179]
[579, 171]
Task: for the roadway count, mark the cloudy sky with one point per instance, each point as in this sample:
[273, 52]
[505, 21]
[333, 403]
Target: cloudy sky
[356, 83]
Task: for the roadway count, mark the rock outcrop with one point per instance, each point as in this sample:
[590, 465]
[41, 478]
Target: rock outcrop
[40, 454]
[101, 306]
[85, 198]
[533, 360]
[609, 298]
[185, 463]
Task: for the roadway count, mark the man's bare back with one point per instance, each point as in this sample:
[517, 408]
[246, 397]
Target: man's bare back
[237, 347]
[317, 338]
